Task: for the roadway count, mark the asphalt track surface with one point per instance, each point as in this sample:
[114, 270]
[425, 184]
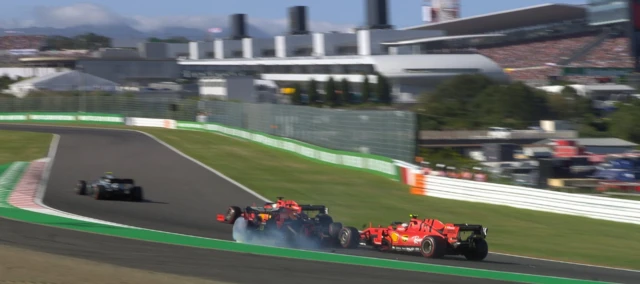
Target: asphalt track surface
[183, 197]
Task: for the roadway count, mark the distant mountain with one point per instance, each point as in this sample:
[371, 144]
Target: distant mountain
[126, 36]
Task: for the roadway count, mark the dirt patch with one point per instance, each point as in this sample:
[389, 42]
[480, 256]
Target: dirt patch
[26, 266]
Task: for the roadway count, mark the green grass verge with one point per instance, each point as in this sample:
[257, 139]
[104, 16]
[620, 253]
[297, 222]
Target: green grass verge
[23, 146]
[356, 198]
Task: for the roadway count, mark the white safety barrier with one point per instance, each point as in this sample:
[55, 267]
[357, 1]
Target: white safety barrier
[604, 208]
[151, 122]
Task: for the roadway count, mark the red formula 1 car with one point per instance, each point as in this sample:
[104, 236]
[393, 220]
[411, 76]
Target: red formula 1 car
[429, 237]
[284, 221]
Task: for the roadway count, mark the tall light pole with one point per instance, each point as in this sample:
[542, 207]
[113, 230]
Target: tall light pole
[82, 102]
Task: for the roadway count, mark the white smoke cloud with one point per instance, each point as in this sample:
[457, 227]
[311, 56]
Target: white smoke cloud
[93, 14]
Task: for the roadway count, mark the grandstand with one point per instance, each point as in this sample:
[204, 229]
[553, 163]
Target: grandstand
[537, 42]
[12, 47]
[537, 45]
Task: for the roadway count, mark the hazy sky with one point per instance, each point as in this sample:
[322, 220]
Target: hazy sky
[145, 14]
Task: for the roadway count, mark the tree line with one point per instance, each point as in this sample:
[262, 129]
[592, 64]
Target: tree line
[471, 102]
[340, 93]
[90, 41]
[175, 39]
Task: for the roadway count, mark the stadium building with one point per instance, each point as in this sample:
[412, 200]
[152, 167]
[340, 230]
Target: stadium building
[538, 45]
[585, 44]
[301, 55]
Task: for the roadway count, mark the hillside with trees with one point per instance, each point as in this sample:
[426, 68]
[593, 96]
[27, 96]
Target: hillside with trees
[88, 41]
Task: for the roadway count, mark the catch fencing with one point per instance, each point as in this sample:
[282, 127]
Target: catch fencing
[390, 134]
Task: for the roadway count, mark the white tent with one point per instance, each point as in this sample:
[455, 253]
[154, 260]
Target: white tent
[71, 80]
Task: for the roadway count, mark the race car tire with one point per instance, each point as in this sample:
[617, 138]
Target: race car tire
[99, 193]
[137, 194]
[233, 213]
[81, 187]
[334, 230]
[349, 237]
[478, 252]
[433, 247]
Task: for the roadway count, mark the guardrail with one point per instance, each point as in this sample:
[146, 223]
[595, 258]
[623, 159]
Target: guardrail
[483, 134]
[604, 208]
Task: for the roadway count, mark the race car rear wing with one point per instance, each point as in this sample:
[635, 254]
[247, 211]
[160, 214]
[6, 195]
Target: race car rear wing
[476, 229]
[321, 208]
[121, 180]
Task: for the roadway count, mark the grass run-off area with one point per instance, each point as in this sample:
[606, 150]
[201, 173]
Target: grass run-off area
[356, 198]
[23, 146]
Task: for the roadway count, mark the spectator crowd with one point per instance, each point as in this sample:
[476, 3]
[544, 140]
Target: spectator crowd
[535, 62]
[536, 54]
[613, 52]
[9, 42]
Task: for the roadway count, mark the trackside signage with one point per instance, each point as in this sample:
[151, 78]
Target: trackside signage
[52, 117]
[13, 117]
[311, 152]
[101, 119]
[64, 117]
[151, 122]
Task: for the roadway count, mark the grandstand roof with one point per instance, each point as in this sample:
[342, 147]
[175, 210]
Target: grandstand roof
[510, 19]
[65, 80]
[434, 39]
[39, 59]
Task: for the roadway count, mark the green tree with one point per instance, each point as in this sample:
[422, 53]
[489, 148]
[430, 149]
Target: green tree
[296, 97]
[453, 103]
[473, 101]
[345, 89]
[175, 39]
[383, 90]
[366, 89]
[89, 41]
[625, 121]
[312, 90]
[331, 97]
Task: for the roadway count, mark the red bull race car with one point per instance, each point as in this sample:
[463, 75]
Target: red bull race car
[429, 237]
[284, 222]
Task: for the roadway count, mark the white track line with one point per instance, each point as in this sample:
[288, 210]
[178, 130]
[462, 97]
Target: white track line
[54, 147]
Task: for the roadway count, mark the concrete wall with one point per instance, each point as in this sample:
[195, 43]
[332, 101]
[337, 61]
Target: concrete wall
[153, 50]
[162, 50]
[226, 48]
[254, 47]
[327, 44]
[177, 49]
[369, 41]
[118, 53]
[241, 88]
[196, 50]
[121, 70]
[286, 46]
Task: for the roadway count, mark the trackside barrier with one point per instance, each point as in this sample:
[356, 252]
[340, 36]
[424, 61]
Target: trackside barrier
[604, 208]
[58, 117]
[151, 122]
[369, 163]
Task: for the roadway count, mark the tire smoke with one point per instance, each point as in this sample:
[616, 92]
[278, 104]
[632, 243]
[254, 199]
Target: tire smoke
[272, 238]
